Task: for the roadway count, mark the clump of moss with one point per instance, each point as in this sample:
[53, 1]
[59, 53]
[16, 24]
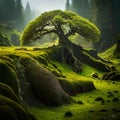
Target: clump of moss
[8, 76]
[76, 87]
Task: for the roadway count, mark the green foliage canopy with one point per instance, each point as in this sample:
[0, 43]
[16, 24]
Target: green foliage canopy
[62, 23]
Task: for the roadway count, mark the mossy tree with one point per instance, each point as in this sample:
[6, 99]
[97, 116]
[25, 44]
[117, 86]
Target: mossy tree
[63, 24]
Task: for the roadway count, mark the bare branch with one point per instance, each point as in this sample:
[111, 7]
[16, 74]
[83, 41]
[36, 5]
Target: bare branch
[44, 33]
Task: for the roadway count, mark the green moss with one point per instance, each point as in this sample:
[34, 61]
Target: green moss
[81, 25]
[8, 76]
[44, 84]
[8, 92]
[98, 64]
[76, 87]
[90, 110]
[42, 60]
[12, 109]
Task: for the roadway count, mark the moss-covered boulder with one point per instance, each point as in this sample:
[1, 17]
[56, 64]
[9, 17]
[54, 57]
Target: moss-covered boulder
[10, 110]
[7, 113]
[8, 76]
[7, 91]
[76, 87]
[44, 84]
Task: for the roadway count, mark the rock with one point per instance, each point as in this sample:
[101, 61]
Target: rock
[68, 114]
[114, 109]
[104, 110]
[116, 91]
[80, 102]
[113, 82]
[110, 94]
[91, 111]
[95, 75]
[115, 100]
[99, 99]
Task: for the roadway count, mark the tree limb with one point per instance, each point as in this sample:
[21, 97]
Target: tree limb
[44, 33]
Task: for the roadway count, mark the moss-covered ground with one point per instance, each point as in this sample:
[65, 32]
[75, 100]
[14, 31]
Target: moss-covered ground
[86, 108]
[90, 110]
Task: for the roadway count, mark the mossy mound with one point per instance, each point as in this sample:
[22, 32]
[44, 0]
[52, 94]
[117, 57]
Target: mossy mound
[10, 110]
[44, 84]
[76, 57]
[76, 87]
[7, 113]
[8, 76]
[8, 92]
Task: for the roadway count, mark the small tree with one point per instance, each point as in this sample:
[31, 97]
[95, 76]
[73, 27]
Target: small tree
[62, 23]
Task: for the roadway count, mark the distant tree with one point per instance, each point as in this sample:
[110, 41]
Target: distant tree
[85, 8]
[64, 24]
[104, 22]
[8, 10]
[115, 17]
[27, 9]
[67, 5]
[92, 11]
[19, 13]
[116, 24]
[27, 13]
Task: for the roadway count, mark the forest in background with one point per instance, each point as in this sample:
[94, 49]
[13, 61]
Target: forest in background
[14, 14]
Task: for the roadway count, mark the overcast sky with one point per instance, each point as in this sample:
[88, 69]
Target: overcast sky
[45, 5]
